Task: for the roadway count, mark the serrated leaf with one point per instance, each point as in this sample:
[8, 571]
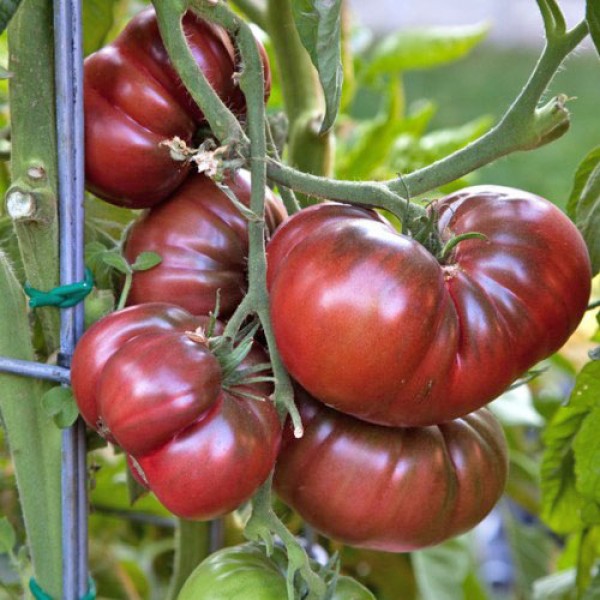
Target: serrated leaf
[59, 404]
[558, 586]
[424, 49]
[319, 26]
[592, 15]
[584, 170]
[7, 9]
[98, 20]
[146, 260]
[584, 204]
[586, 445]
[116, 261]
[515, 408]
[441, 571]
[562, 504]
[593, 591]
[8, 537]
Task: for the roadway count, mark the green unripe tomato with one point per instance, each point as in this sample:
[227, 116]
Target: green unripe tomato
[246, 572]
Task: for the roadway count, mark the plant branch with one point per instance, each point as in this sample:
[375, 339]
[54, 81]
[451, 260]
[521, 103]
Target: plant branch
[221, 120]
[523, 127]
[192, 546]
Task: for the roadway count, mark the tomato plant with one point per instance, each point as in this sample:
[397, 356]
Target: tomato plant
[387, 488]
[371, 323]
[134, 101]
[202, 239]
[245, 571]
[144, 378]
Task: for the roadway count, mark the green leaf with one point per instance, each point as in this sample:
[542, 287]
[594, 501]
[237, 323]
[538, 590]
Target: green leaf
[442, 571]
[59, 404]
[146, 260]
[558, 586]
[98, 20]
[7, 9]
[583, 173]
[592, 15]
[562, 504]
[515, 408]
[423, 49]
[319, 26]
[586, 447]
[584, 204]
[593, 591]
[116, 261]
[8, 537]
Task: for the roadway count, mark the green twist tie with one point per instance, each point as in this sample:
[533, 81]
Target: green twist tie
[40, 594]
[63, 296]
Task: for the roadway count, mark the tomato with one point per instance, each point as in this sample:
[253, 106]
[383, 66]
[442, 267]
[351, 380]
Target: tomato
[246, 572]
[371, 323]
[145, 381]
[203, 241]
[134, 100]
[387, 488]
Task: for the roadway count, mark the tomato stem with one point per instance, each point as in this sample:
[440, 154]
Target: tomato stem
[457, 239]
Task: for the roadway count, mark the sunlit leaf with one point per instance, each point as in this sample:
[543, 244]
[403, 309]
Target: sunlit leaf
[319, 25]
[584, 204]
[562, 504]
[424, 49]
[592, 15]
[59, 403]
[8, 537]
[98, 19]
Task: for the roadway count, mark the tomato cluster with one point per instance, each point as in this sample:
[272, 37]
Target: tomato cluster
[394, 350]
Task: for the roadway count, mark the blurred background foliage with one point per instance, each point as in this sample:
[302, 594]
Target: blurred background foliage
[409, 100]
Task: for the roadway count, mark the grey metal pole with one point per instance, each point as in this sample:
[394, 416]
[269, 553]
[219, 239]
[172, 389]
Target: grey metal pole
[69, 113]
[28, 368]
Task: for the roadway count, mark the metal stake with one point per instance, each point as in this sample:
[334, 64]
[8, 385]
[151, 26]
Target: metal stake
[69, 115]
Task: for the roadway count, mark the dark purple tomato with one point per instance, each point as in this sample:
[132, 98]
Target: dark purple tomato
[388, 488]
[371, 323]
[203, 241]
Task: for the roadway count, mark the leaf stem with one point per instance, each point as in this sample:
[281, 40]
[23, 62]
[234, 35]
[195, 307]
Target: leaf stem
[255, 10]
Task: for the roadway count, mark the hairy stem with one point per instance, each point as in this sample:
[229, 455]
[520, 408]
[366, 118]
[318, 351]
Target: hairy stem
[192, 546]
[33, 439]
[308, 150]
[32, 197]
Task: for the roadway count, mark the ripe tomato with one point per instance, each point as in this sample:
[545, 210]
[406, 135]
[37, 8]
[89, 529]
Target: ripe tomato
[246, 572]
[418, 486]
[203, 241]
[144, 381]
[369, 322]
[134, 100]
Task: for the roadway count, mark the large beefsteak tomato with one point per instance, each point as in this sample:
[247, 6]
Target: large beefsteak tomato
[202, 239]
[371, 323]
[134, 100]
[145, 380]
[388, 488]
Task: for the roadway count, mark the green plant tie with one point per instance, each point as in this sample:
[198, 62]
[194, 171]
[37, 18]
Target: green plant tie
[63, 296]
[40, 594]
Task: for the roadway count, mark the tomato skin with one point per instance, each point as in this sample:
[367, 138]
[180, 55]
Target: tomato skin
[418, 486]
[246, 572]
[203, 241]
[370, 323]
[134, 100]
[145, 384]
